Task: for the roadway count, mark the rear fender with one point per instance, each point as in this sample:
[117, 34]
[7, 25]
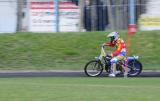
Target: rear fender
[134, 58]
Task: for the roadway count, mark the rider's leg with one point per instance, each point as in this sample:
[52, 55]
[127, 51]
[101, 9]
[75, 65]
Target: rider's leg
[113, 63]
[113, 66]
[126, 68]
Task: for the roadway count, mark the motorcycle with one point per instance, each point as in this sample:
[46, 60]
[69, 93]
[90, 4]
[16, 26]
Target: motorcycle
[95, 67]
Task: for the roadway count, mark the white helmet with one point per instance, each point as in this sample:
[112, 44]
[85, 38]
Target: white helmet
[113, 35]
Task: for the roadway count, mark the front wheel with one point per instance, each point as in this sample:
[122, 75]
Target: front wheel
[135, 68]
[93, 68]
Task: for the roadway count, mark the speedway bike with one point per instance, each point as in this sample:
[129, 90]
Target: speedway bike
[96, 66]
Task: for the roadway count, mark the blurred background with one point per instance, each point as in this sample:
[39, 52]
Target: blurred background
[78, 15]
[71, 31]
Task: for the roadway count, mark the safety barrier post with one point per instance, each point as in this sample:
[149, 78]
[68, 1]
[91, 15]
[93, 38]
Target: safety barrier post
[56, 5]
[132, 28]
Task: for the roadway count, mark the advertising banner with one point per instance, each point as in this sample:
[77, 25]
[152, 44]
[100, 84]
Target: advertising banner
[69, 16]
[151, 19]
[42, 17]
[149, 23]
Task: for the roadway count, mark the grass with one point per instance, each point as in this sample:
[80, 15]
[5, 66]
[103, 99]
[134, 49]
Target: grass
[69, 51]
[79, 89]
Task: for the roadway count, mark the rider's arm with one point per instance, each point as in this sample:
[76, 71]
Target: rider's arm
[109, 44]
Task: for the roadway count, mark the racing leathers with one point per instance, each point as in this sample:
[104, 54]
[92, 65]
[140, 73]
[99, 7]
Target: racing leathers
[118, 54]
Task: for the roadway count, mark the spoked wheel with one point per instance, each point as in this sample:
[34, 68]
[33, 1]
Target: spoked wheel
[135, 68]
[93, 68]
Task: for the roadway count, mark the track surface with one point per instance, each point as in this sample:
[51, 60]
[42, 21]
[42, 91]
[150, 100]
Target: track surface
[64, 73]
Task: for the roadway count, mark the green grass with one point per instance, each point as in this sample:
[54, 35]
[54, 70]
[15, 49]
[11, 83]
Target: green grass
[46, 51]
[79, 89]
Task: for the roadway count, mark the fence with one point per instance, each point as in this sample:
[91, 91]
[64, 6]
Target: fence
[110, 15]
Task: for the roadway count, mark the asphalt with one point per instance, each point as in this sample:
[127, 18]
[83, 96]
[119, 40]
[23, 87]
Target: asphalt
[63, 73]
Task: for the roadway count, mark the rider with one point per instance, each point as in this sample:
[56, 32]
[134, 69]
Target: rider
[119, 53]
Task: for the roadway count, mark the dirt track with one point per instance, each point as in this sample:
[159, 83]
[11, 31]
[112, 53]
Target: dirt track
[63, 73]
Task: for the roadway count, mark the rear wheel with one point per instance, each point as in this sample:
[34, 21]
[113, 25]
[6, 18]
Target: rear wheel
[93, 68]
[135, 68]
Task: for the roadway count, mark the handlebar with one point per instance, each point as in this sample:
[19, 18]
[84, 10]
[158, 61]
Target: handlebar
[103, 45]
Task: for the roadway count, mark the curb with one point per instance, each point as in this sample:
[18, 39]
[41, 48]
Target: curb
[63, 73]
[38, 71]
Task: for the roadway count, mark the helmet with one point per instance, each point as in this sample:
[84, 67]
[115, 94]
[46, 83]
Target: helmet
[113, 36]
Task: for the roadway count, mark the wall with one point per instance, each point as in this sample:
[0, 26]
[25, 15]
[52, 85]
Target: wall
[8, 16]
